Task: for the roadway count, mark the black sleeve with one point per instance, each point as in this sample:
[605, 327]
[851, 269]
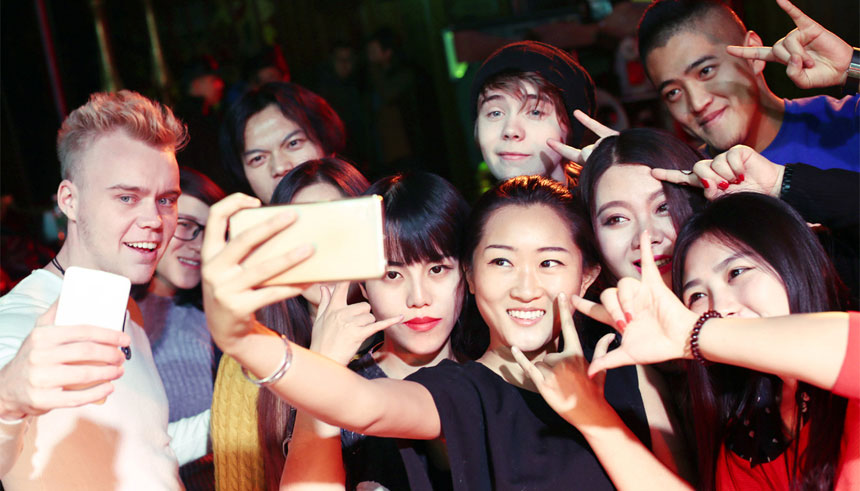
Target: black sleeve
[830, 197]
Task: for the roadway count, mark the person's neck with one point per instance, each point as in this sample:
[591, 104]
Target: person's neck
[558, 173]
[788, 407]
[767, 122]
[500, 360]
[65, 258]
[161, 287]
[398, 363]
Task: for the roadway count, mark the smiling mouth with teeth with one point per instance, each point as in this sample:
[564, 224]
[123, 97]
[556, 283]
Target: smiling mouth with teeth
[189, 262]
[526, 314]
[143, 246]
[663, 263]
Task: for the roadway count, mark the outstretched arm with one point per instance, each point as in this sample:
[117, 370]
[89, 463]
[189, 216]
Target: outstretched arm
[814, 56]
[808, 347]
[313, 383]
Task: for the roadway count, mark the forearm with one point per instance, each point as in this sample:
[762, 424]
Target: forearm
[189, 437]
[807, 347]
[314, 460]
[336, 395]
[628, 462]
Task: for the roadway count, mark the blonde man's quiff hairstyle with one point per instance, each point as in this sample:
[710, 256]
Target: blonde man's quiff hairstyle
[141, 118]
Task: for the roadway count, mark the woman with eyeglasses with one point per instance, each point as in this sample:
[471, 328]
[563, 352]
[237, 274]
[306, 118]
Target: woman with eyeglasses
[173, 316]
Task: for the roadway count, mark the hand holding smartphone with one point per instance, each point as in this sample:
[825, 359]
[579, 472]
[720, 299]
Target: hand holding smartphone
[95, 298]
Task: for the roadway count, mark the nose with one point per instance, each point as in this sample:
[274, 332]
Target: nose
[513, 130]
[527, 287]
[698, 98]
[280, 164]
[150, 216]
[418, 295]
[657, 233]
[723, 301]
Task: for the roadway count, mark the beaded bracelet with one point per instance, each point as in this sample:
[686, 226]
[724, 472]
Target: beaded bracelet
[694, 335]
[279, 372]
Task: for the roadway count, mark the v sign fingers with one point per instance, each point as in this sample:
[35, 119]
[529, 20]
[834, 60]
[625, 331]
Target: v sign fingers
[594, 125]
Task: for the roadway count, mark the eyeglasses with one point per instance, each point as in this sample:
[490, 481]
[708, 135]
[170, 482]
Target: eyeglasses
[187, 229]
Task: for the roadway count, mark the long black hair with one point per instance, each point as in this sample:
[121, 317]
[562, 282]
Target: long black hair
[522, 191]
[291, 317]
[425, 217]
[308, 110]
[652, 148]
[728, 401]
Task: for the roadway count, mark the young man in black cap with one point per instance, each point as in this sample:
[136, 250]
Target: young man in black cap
[525, 94]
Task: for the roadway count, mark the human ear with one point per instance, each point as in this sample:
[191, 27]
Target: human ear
[588, 277]
[753, 40]
[67, 199]
[467, 272]
[363, 291]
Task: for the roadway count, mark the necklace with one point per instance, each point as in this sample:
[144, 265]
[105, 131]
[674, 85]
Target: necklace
[126, 350]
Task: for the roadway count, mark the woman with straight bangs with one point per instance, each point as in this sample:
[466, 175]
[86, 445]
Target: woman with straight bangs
[526, 251]
[773, 421]
[424, 286]
[272, 129]
[250, 428]
[623, 199]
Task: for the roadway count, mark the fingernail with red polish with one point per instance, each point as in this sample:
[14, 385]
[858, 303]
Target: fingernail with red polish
[705, 183]
[620, 325]
[740, 179]
[723, 185]
[628, 316]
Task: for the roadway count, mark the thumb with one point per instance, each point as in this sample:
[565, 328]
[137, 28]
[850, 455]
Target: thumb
[49, 316]
[614, 359]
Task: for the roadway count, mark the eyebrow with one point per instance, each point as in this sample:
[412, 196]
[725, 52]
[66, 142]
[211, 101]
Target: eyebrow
[621, 203]
[718, 267]
[689, 68]
[540, 249]
[290, 135]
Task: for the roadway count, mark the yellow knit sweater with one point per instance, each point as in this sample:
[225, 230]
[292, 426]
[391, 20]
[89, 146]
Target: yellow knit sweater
[235, 442]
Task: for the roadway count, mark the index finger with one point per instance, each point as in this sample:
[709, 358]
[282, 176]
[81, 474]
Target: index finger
[650, 273]
[764, 53]
[341, 291]
[675, 176]
[216, 225]
[800, 19]
[592, 309]
[595, 126]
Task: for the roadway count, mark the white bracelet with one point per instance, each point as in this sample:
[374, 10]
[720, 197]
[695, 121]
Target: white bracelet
[279, 372]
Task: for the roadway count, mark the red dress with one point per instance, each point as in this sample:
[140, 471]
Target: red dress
[735, 473]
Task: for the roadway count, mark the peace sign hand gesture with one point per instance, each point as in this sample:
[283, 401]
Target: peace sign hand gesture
[577, 155]
[814, 56]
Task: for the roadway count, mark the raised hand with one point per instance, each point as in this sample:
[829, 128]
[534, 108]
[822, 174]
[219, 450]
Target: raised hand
[231, 292]
[53, 358]
[562, 379]
[814, 56]
[581, 155]
[654, 323]
[339, 329]
[739, 168]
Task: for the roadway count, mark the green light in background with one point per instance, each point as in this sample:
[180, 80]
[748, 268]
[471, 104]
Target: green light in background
[456, 69]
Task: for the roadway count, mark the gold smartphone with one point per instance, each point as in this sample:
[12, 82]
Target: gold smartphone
[347, 236]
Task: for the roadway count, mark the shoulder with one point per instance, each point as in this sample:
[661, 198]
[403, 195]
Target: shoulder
[823, 104]
[20, 308]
